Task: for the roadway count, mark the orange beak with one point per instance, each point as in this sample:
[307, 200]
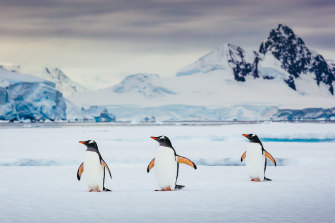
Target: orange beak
[82, 142]
[155, 138]
[245, 135]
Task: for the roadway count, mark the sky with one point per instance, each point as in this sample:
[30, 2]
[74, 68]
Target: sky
[98, 43]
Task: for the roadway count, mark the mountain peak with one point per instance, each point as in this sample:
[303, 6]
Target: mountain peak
[227, 57]
[296, 58]
[62, 81]
[284, 29]
[144, 84]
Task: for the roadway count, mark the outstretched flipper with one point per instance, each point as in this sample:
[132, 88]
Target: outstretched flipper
[151, 165]
[268, 155]
[80, 171]
[105, 165]
[243, 156]
[181, 159]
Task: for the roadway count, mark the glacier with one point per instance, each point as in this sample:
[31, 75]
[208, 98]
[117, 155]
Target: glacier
[25, 97]
[171, 113]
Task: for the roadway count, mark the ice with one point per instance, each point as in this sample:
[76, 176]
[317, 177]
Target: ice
[24, 97]
[33, 101]
[38, 174]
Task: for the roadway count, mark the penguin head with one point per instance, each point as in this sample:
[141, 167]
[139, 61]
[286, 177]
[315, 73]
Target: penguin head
[89, 144]
[163, 141]
[252, 138]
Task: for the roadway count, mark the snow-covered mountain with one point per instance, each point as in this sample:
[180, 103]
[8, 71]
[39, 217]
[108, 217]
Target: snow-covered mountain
[283, 73]
[143, 84]
[63, 83]
[296, 58]
[231, 82]
[227, 58]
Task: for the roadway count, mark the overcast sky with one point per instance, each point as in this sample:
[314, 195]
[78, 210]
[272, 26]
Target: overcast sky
[109, 39]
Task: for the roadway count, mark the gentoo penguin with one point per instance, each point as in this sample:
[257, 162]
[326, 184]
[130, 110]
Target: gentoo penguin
[166, 165]
[256, 158]
[94, 167]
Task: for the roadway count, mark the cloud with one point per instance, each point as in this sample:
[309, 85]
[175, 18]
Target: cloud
[181, 22]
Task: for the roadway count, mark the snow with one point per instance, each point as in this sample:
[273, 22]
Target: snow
[53, 75]
[9, 77]
[143, 84]
[215, 88]
[63, 83]
[270, 66]
[38, 174]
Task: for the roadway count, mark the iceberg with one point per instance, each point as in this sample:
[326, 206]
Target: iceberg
[23, 97]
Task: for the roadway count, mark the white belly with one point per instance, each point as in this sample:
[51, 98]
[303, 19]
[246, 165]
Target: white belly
[165, 168]
[93, 170]
[255, 161]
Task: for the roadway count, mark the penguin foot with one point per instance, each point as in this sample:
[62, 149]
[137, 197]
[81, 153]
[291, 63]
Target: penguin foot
[90, 190]
[179, 187]
[106, 189]
[256, 179]
[166, 189]
[97, 189]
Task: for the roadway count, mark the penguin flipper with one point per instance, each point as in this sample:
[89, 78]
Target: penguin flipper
[267, 179]
[269, 156]
[243, 156]
[106, 166]
[179, 187]
[151, 165]
[181, 159]
[80, 170]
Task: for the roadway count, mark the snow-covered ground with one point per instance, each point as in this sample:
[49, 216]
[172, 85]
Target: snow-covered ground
[38, 175]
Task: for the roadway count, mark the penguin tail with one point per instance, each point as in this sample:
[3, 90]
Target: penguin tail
[179, 187]
[267, 179]
[106, 189]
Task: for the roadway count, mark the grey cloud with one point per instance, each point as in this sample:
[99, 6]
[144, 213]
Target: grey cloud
[169, 23]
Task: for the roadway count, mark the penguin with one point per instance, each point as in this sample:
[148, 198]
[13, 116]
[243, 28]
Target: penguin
[94, 167]
[256, 158]
[166, 165]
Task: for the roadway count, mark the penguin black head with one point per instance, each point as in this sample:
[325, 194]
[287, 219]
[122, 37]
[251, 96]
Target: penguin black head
[163, 141]
[90, 144]
[252, 138]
